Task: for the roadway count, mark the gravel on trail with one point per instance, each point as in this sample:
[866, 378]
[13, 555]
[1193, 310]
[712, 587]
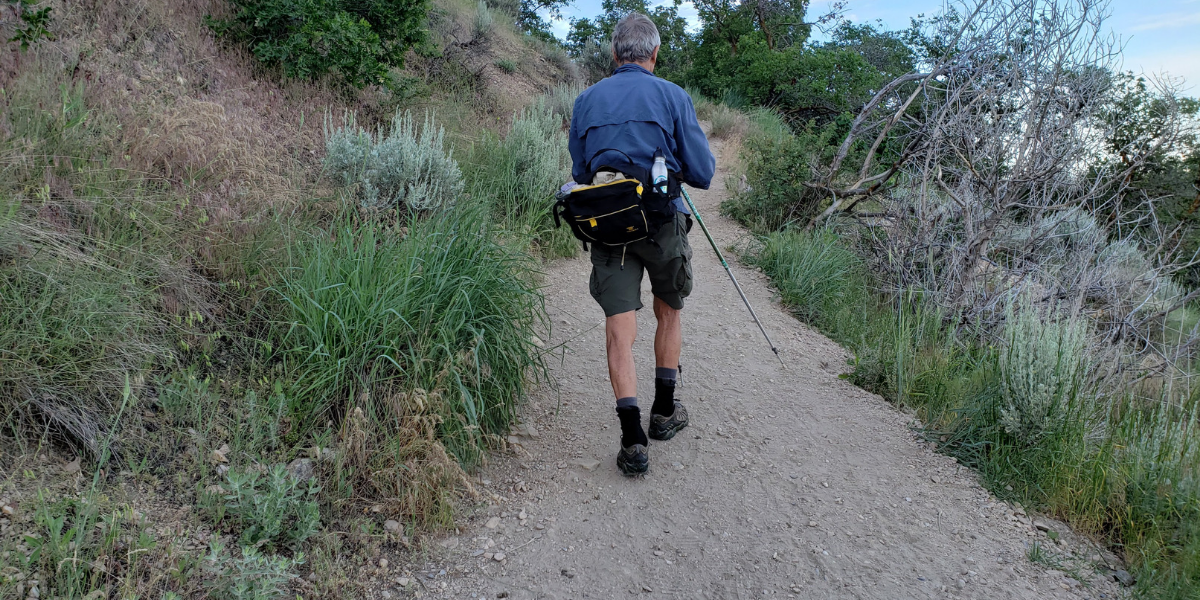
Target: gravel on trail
[789, 483]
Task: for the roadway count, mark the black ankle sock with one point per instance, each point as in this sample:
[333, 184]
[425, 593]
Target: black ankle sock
[664, 397]
[631, 426]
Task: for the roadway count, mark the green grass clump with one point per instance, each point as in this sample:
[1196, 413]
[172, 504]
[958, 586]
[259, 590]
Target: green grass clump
[768, 123]
[728, 123]
[704, 107]
[445, 308]
[508, 65]
[72, 326]
[518, 175]
[80, 546]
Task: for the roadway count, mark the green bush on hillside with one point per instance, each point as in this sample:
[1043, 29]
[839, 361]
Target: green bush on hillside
[778, 166]
[483, 20]
[1041, 368]
[359, 41]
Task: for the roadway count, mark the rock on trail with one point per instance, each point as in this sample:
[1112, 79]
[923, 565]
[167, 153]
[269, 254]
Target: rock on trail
[789, 482]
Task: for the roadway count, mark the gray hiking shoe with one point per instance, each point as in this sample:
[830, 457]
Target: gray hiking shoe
[665, 428]
[633, 460]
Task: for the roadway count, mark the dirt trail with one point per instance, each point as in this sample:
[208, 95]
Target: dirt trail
[788, 483]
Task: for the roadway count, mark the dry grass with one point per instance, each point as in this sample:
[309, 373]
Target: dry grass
[468, 70]
[193, 111]
[729, 123]
[401, 467]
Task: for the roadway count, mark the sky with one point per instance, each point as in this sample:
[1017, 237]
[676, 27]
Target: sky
[1160, 36]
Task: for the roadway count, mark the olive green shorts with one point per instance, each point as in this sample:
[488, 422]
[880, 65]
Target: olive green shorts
[616, 281]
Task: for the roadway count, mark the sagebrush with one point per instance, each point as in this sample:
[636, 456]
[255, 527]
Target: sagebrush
[407, 167]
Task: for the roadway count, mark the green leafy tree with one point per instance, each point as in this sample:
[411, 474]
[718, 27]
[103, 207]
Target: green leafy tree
[359, 41]
[531, 20]
[584, 31]
[588, 36]
[886, 51]
[759, 51]
[1142, 121]
[781, 22]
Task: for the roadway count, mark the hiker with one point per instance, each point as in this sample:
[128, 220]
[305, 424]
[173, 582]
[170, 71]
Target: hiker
[622, 123]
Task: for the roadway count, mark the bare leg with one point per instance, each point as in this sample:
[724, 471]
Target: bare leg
[621, 331]
[668, 338]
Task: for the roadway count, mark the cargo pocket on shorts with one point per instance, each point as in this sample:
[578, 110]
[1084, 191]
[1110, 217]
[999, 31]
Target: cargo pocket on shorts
[683, 277]
[594, 285]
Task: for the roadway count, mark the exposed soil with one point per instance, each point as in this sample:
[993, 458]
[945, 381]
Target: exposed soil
[788, 483]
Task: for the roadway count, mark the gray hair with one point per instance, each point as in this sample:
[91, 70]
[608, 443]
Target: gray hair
[634, 38]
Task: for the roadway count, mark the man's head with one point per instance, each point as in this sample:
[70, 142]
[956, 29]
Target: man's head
[635, 40]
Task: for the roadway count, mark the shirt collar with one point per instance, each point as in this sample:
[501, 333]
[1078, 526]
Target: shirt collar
[631, 67]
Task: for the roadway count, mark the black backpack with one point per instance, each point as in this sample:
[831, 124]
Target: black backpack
[620, 212]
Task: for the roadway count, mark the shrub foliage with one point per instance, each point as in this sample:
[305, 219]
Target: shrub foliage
[272, 508]
[359, 41]
[404, 167]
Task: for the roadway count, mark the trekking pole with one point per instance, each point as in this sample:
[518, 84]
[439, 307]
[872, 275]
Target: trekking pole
[737, 287]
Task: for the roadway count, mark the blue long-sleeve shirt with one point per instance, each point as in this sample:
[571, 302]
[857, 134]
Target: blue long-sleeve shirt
[637, 113]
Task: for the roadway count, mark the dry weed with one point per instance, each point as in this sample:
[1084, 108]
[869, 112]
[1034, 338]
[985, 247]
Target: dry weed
[395, 458]
[729, 123]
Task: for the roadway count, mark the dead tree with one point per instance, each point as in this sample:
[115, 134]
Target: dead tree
[989, 167]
